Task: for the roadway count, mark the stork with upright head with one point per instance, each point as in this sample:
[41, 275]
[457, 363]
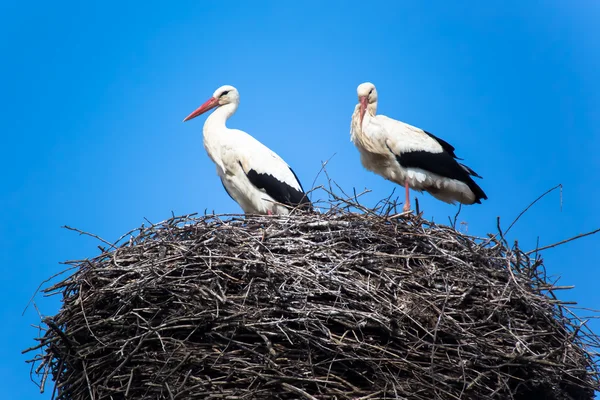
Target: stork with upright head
[409, 156]
[252, 174]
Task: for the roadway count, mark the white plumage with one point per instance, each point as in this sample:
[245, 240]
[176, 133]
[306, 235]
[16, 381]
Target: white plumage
[408, 155]
[252, 174]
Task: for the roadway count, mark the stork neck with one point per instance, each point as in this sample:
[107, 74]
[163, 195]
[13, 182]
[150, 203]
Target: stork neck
[213, 130]
[220, 116]
[372, 109]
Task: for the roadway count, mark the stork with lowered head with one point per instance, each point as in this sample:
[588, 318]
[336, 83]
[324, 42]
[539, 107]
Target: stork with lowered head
[409, 156]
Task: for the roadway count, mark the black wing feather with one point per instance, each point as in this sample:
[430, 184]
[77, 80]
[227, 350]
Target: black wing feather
[278, 190]
[445, 145]
[443, 164]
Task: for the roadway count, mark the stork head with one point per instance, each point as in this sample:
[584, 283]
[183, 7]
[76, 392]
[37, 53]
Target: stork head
[226, 94]
[367, 95]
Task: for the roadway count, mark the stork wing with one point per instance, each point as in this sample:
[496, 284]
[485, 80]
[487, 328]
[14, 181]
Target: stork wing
[445, 145]
[416, 148]
[271, 174]
[281, 191]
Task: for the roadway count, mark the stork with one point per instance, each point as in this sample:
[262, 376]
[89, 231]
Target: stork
[252, 174]
[409, 156]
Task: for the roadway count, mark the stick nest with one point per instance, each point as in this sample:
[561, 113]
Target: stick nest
[338, 305]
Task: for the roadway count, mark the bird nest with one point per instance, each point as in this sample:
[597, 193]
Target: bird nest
[338, 305]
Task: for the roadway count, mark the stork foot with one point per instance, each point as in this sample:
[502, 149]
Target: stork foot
[406, 207]
[269, 212]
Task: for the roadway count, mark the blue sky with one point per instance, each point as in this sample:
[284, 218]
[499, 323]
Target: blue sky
[93, 95]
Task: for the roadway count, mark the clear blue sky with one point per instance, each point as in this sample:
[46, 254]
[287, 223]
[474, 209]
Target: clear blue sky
[93, 94]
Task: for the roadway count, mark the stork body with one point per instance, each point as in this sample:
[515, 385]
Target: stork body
[252, 174]
[408, 155]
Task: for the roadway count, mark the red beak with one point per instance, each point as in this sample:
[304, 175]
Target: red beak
[363, 107]
[209, 105]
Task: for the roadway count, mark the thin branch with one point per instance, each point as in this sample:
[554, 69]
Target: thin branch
[91, 235]
[563, 241]
[533, 202]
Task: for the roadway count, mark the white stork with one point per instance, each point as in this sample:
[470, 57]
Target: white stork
[252, 174]
[409, 156]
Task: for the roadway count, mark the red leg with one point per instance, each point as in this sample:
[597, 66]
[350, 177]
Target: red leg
[407, 201]
[269, 212]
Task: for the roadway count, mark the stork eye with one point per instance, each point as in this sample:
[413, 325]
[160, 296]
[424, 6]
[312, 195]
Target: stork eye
[224, 93]
[370, 91]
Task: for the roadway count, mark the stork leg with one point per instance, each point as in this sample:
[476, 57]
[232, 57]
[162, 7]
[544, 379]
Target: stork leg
[269, 212]
[407, 201]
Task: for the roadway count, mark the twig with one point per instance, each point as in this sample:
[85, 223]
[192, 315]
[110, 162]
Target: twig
[43, 283]
[563, 241]
[90, 234]
[298, 391]
[533, 202]
[453, 222]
